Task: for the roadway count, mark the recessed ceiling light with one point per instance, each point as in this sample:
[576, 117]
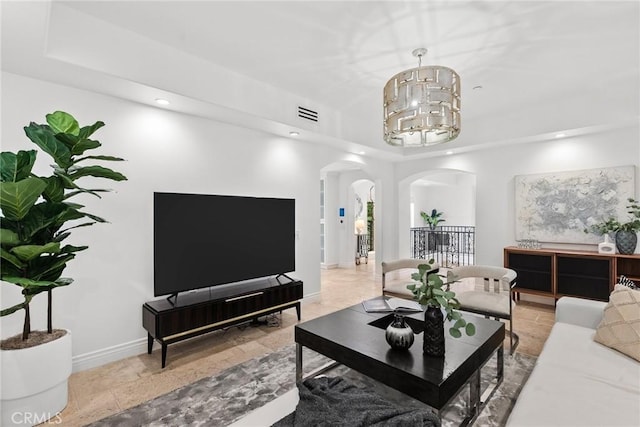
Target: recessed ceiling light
[162, 101]
[449, 152]
[361, 152]
[294, 133]
[560, 135]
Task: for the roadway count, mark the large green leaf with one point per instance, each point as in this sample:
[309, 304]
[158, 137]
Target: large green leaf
[44, 138]
[16, 166]
[67, 249]
[62, 281]
[94, 217]
[55, 189]
[63, 234]
[84, 145]
[109, 158]
[7, 256]
[34, 287]
[62, 122]
[9, 237]
[29, 252]
[87, 131]
[93, 192]
[68, 140]
[71, 213]
[66, 181]
[97, 171]
[42, 216]
[16, 198]
[49, 267]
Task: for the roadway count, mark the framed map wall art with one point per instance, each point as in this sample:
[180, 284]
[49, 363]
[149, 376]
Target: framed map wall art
[557, 207]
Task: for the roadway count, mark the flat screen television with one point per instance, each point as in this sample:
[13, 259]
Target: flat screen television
[203, 240]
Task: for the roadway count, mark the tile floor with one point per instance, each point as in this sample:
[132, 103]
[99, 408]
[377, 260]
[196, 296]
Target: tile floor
[99, 392]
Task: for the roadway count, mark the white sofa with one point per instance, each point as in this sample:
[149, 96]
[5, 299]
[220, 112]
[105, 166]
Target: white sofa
[576, 381]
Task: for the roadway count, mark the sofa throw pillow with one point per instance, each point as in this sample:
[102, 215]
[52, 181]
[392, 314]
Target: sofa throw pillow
[620, 325]
[625, 281]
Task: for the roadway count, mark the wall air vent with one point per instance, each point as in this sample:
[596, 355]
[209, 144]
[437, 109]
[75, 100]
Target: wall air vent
[307, 114]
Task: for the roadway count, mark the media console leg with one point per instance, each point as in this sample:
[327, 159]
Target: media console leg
[164, 354]
[298, 310]
[149, 343]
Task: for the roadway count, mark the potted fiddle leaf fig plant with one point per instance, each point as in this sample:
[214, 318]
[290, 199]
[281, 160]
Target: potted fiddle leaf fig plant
[434, 293]
[37, 218]
[433, 219]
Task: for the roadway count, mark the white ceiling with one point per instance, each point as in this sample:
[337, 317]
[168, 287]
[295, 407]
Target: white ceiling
[544, 66]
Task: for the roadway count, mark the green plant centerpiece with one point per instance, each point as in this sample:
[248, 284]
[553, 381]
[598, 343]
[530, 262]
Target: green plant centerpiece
[37, 214]
[433, 219]
[625, 232]
[434, 293]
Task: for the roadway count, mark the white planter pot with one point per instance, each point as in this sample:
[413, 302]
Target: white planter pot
[34, 382]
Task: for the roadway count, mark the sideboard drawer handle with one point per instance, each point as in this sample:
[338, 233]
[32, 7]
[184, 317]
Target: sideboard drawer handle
[244, 296]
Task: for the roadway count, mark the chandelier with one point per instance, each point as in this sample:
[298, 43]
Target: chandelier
[422, 105]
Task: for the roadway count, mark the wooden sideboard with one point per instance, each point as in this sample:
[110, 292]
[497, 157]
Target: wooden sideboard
[555, 273]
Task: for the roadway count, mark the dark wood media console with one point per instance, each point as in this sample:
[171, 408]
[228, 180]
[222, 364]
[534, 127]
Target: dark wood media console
[206, 310]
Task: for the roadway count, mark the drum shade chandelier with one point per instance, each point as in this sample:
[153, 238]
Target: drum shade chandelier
[422, 105]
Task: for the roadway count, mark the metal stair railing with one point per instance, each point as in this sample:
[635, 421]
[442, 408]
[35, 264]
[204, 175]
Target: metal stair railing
[449, 246]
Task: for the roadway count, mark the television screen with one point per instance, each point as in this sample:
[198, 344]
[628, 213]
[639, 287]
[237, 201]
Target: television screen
[205, 240]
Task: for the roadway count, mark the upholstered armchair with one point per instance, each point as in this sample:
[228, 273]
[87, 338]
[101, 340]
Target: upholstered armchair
[494, 300]
[399, 288]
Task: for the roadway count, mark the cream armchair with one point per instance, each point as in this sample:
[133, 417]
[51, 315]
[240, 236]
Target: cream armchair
[492, 301]
[399, 289]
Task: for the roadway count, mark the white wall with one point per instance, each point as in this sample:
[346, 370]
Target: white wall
[495, 170]
[165, 151]
[331, 223]
[456, 200]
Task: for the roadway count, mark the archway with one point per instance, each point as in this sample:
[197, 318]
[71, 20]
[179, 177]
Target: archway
[452, 193]
[342, 184]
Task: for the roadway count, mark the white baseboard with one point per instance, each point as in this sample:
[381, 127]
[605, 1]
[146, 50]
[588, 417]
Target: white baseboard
[96, 358]
[328, 266]
[103, 356]
[310, 298]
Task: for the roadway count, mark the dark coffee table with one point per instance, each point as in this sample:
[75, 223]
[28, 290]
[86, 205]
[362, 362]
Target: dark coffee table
[355, 338]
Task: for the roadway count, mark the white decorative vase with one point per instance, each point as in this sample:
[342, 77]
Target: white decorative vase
[607, 247]
[34, 382]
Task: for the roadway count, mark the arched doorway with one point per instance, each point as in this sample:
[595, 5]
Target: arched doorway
[452, 194]
[347, 199]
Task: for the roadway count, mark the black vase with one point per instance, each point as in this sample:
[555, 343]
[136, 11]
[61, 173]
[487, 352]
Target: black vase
[433, 344]
[626, 241]
[398, 334]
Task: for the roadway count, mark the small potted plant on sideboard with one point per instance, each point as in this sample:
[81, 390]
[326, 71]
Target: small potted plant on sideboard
[626, 233]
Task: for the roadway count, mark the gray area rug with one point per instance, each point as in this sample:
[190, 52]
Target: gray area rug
[224, 398]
